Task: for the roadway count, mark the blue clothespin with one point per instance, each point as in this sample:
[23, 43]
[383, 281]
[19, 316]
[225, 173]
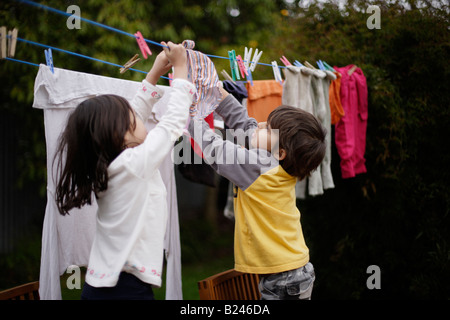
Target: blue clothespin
[298, 64]
[249, 77]
[49, 59]
[321, 65]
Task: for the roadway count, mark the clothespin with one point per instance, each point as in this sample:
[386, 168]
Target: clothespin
[298, 64]
[255, 60]
[142, 44]
[276, 72]
[49, 59]
[241, 66]
[285, 61]
[12, 40]
[227, 76]
[328, 66]
[247, 57]
[250, 77]
[233, 65]
[309, 65]
[3, 50]
[352, 69]
[320, 64]
[130, 63]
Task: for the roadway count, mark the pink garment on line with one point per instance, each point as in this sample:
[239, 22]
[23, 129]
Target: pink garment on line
[203, 74]
[350, 131]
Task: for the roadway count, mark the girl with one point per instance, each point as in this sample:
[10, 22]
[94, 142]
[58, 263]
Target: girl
[108, 153]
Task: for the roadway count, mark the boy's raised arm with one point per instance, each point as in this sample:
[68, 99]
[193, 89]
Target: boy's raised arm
[234, 114]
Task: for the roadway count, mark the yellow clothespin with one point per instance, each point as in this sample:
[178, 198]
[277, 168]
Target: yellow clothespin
[12, 40]
[227, 76]
[309, 65]
[3, 50]
[130, 63]
[352, 69]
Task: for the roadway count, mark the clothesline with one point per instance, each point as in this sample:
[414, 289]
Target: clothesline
[72, 53]
[44, 7]
[22, 61]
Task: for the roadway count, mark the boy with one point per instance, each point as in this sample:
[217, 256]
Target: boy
[268, 235]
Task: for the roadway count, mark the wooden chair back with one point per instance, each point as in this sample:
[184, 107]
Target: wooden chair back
[29, 291]
[230, 285]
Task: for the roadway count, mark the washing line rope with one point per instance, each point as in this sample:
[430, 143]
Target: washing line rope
[76, 54]
[22, 61]
[41, 6]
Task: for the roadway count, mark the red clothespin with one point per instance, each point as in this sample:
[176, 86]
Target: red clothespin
[142, 44]
[285, 61]
[242, 67]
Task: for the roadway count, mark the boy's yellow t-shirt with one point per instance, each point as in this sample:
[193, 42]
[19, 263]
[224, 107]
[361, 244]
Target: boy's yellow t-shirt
[268, 234]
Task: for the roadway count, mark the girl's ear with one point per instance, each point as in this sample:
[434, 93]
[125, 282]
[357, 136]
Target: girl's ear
[280, 155]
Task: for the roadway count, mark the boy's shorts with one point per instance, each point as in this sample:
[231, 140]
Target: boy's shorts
[288, 285]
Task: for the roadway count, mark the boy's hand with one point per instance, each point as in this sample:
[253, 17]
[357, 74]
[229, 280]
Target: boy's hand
[160, 67]
[176, 53]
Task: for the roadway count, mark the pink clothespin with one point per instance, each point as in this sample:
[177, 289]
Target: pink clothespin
[285, 61]
[142, 44]
[242, 67]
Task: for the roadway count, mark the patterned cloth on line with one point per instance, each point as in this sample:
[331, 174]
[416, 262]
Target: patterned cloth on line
[202, 73]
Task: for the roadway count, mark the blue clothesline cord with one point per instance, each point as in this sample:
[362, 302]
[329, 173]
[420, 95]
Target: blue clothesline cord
[41, 6]
[76, 54]
[21, 61]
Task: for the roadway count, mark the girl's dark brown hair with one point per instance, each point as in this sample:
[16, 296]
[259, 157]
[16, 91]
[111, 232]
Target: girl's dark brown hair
[92, 139]
[301, 136]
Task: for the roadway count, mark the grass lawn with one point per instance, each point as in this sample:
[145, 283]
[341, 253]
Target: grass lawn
[191, 274]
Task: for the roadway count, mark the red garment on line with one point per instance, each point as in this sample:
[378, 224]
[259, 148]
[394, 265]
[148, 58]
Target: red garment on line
[210, 120]
[350, 130]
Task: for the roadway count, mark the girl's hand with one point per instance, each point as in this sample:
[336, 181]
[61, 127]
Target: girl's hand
[160, 67]
[176, 53]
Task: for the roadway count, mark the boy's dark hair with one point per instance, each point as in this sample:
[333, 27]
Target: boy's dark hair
[92, 139]
[301, 136]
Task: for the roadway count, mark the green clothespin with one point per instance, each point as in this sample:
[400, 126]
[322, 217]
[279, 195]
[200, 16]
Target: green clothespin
[233, 65]
[328, 66]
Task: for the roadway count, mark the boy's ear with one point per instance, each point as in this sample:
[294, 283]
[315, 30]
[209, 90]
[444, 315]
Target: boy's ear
[281, 154]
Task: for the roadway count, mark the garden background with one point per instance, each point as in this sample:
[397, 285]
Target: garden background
[395, 216]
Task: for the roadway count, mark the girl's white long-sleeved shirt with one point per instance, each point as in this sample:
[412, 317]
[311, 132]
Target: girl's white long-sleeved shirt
[132, 212]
